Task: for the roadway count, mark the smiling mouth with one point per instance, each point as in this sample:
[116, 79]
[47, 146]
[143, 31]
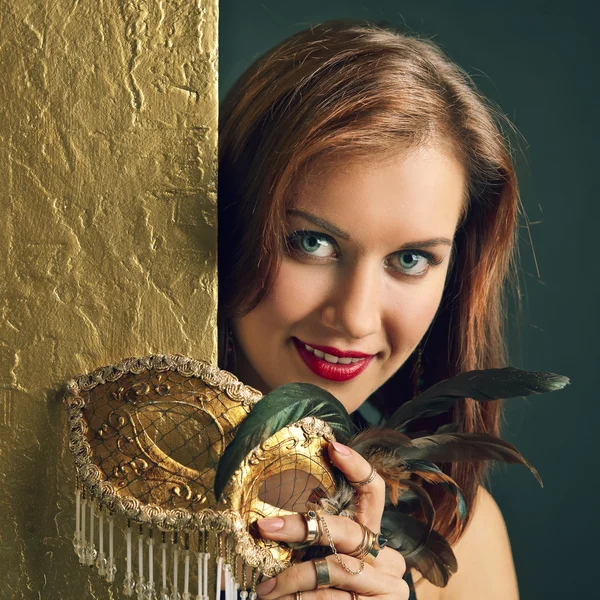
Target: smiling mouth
[341, 366]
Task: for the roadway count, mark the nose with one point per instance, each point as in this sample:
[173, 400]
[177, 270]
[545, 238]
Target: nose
[353, 308]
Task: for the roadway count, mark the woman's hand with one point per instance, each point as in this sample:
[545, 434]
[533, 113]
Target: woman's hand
[380, 579]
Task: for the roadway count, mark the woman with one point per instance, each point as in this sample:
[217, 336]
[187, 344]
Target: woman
[368, 214]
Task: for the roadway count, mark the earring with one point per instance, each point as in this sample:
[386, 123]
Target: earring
[226, 346]
[417, 372]
[230, 358]
[229, 341]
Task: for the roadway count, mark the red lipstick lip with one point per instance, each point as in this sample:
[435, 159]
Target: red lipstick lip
[331, 371]
[335, 352]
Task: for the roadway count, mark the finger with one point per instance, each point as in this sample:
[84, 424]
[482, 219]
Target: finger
[371, 496]
[327, 594]
[302, 577]
[346, 534]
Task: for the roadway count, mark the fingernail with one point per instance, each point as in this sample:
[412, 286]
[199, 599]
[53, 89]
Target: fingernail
[266, 586]
[341, 449]
[271, 525]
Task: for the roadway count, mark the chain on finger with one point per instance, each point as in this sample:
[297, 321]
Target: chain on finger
[335, 552]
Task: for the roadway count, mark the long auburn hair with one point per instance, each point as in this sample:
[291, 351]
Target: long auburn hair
[357, 89]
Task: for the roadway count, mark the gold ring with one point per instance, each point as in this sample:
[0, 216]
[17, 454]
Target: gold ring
[370, 478]
[322, 569]
[361, 550]
[312, 528]
[298, 595]
[354, 595]
[371, 545]
[378, 542]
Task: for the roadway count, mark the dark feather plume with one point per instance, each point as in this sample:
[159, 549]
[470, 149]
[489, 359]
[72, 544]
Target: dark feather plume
[426, 551]
[481, 385]
[398, 457]
[403, 462]
[466, 447]
[433, 474]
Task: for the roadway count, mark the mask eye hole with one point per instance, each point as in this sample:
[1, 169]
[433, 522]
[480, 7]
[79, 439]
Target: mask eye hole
[288, 490]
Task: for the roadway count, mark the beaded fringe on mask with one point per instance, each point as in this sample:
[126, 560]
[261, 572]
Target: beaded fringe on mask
[160, 565]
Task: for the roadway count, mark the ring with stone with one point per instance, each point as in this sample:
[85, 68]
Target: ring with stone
[370, 546]
[312, 528]
[378, 543]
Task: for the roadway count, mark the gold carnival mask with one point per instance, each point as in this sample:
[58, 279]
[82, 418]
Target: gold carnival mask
[184, 458]
[147, 435]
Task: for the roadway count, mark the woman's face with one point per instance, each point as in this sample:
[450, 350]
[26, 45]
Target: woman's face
[369, 248]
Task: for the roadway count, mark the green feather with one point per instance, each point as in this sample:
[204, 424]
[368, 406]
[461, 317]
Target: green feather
[447, 428]
[424, 550]
[481, 385]
[465, 447]
[426, 503]
[281, 408]
[424, 465]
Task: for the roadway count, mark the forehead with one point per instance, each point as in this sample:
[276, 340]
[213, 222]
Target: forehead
[415, 194]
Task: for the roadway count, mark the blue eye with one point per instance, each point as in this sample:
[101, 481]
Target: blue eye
[317, 245]
[312, 243]
[408, 260]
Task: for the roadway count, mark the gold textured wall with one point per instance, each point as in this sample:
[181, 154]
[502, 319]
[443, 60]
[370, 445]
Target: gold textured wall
[108, 113]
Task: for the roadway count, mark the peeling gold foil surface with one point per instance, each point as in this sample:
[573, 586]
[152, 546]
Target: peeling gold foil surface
[108, 134]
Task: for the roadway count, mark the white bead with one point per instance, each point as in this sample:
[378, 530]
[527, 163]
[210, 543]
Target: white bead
[111, 570]
[128, 584]
[141, 588]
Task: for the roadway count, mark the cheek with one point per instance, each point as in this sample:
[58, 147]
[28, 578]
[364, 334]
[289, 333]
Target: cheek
[412, 311]
[296, 293]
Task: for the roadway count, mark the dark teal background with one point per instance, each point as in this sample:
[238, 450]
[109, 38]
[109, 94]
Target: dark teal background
[539, 62]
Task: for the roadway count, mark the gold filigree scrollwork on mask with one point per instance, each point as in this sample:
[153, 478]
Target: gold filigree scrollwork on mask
[148, 434]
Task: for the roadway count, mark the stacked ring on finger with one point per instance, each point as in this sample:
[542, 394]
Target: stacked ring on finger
[363, 548]
[370, 547]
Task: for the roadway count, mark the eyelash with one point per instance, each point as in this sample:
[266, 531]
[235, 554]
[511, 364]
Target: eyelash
[295, 237]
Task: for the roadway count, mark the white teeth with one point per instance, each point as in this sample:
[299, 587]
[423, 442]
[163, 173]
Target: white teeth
[346, 360]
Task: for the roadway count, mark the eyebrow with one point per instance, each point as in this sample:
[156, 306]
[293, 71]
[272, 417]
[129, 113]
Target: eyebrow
[437, 241]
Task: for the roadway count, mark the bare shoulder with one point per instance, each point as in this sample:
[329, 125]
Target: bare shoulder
[484, 557]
